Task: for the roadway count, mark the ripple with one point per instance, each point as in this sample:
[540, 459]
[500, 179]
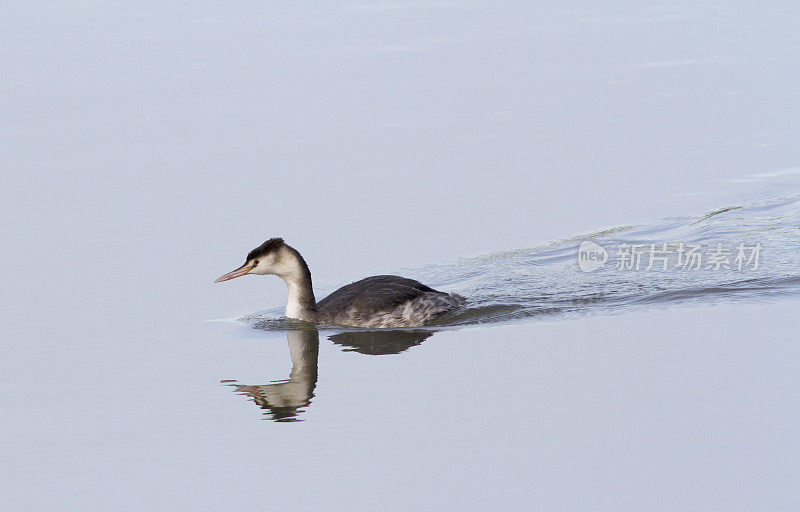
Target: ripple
[544, 282]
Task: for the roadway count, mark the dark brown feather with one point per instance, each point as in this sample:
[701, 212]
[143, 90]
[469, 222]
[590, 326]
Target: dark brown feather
[265, 248]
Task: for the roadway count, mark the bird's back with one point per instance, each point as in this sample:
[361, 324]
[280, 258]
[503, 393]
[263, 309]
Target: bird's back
[385, 301]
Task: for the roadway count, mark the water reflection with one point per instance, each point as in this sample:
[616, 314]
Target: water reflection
[285, 400]
[376, 343]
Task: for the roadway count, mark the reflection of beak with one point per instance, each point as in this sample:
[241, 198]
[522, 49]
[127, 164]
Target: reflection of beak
[244, 269]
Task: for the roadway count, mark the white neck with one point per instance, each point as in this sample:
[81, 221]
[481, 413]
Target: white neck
[290, 266]
[294, 307]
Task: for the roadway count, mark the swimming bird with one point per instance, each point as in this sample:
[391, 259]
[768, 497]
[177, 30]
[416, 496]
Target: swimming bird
[376, 301]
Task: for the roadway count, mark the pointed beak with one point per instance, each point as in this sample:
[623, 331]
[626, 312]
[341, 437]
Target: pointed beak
[244, 269]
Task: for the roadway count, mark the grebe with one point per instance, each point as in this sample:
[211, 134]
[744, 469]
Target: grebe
[376, 301]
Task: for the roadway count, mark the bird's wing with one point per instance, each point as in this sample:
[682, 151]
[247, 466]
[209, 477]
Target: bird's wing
[375, 293]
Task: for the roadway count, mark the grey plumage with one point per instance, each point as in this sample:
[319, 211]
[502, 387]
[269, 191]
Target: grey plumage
[385, 301]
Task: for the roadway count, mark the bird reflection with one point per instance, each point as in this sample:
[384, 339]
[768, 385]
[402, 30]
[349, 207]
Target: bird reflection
[376, 343]
[285, 400]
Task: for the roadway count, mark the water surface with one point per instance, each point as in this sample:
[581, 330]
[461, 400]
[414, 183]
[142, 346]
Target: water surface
[146, 147]
[546, 283]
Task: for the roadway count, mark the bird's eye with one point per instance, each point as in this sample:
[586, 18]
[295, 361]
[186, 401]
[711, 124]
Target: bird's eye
[255, 262]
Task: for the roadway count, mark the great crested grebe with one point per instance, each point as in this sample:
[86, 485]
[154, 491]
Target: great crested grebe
[376, 301]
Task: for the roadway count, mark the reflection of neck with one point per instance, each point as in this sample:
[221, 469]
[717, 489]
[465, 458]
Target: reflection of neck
[300, 303]
[284, 399]
[304, 351]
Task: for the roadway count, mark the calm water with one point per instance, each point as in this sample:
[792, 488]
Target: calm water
[546, 283]
[147, 147]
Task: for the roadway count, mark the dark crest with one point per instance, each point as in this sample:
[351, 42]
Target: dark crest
[265, 248]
